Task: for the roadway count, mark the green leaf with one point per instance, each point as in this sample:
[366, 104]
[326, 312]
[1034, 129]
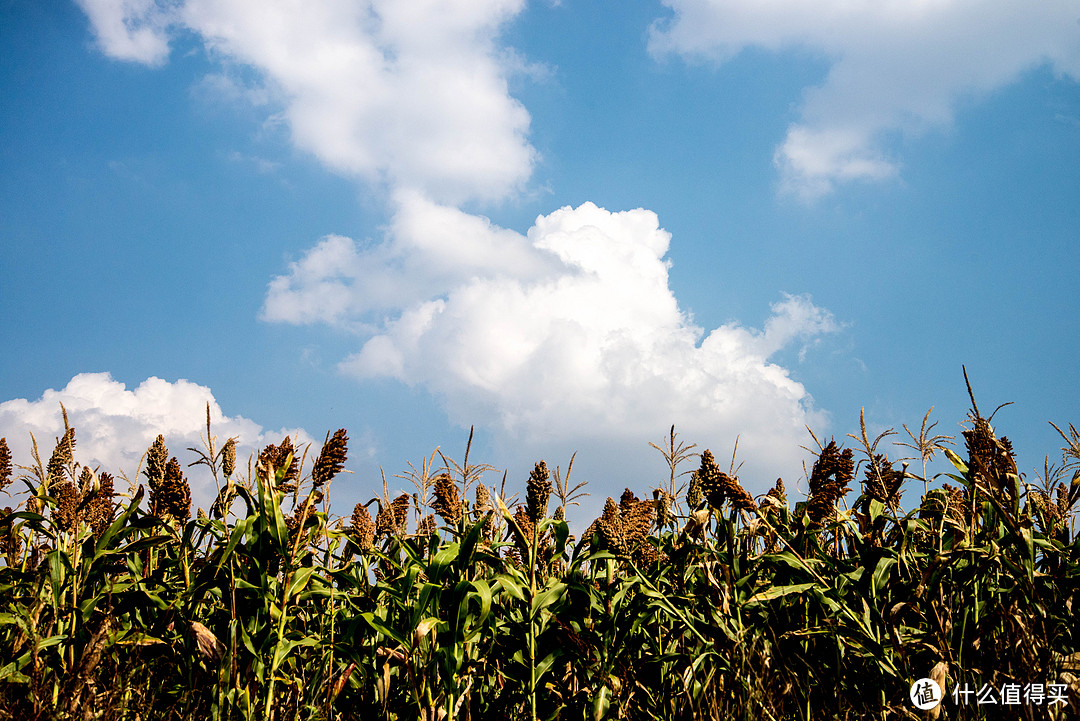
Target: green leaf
[380, 625]
[117, 525]
[881, 573]
[483, 592]
[774, 592]
[510, 586]
[443, 558]
[545, 663]
[546, 597]
[299, 581]
[285, 647]
[956, 460]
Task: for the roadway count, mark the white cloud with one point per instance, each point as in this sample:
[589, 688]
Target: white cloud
[412, 92]
[428, 250]
[570, 334]
[896, 66]
[114, 426]
[130, 29]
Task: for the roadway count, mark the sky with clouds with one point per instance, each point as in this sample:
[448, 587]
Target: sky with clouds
[568, 224]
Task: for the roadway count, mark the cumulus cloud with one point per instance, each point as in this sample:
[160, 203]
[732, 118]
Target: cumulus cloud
[428, 249]
[895, 67]
[410, 92]
[134, 30]
[568, 333]
[114, 426]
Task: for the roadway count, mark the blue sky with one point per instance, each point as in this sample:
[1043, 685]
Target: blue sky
[570, 224]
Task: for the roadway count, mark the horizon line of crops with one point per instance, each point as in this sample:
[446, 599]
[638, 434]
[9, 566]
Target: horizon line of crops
[698, 601]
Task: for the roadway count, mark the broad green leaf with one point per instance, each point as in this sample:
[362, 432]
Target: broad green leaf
[956, 460]
[380, 625]
[299, 581]
[774, 592]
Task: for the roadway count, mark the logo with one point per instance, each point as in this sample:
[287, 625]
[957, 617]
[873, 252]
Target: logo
[926, 694]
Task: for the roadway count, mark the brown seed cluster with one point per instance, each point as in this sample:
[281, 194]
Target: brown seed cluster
[5, 464]
[664, 501]
[331, 459]
[391, 517]
[776, 497]
[959, 506]
[717, 486]
[484, 506]
[528, 528]
[363, 528]
[447, 501]
[97, 501]
[62, 456]
[172, 499]
[740, 498]
[883, 482]
[11, 542]
[157, 456]
[273, 458]
[427, 525]
[1047, 512]
[1063, 502]
[228, 458]
[694, 494]
[89, 502]
[624, 527]
[170, 494]
[66, 513]
[991, 460]
[538, 491]
[710, 477]
[833, 470]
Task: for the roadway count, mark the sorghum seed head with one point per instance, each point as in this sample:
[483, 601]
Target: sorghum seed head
[663, 500]
[5, 464]
[525, 522]
[739, 496]
[538, 491]
[272, 460]
[363, 527]
[400, 508]
[833, 471]
[482, 507]
[228, 457]
[331, 459]
[66, 513]
[711, 478]
[157, 457]
[391, 517]
[61, 456]
[100, 506]
[447, 502]
[694, 493]
[427, 525]
[624, 527]
[173, 497]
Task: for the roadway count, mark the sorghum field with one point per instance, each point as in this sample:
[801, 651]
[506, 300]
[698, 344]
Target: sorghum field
[469, 599]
